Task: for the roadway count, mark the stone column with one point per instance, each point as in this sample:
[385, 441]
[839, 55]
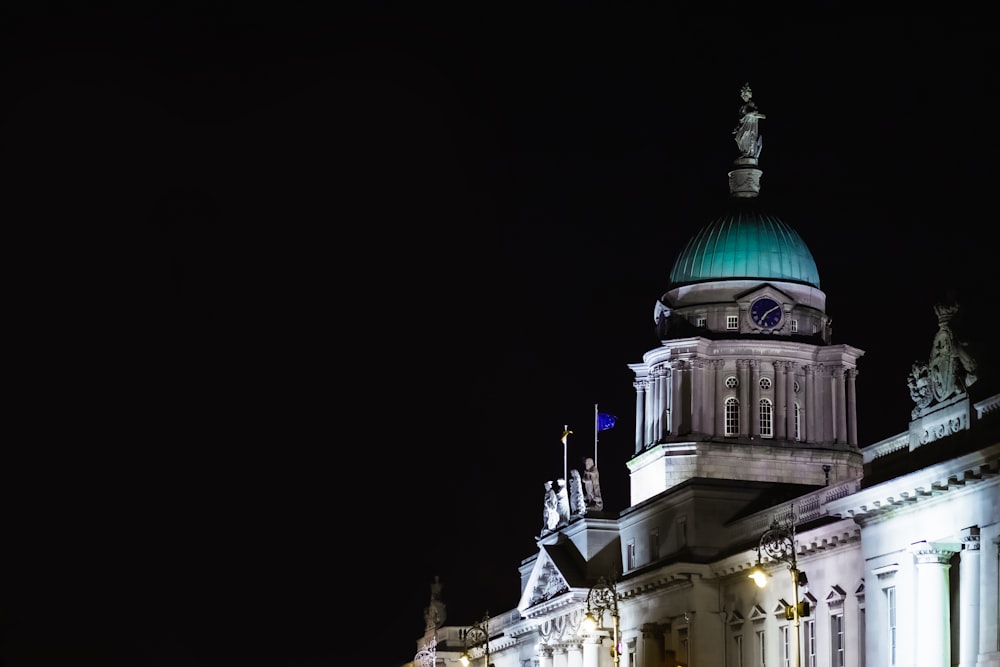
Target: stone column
[989, 626]
[720, 393]
[743, 376]
[933, 604]
[574, 654]
[968, 595]
[697, 405]
[591, 652]
[677, 418]
[791, 398]
[711, 397]
[650, 407]
[559, 658]
[839, 406]
[852, 406]
[809, 423]
[545, 657]
[753, 416]
[640, 418]
[780, 399]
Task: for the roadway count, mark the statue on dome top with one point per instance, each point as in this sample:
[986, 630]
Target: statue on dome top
[747, 136]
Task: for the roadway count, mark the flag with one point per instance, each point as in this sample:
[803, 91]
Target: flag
[605, 421]
[565, 435]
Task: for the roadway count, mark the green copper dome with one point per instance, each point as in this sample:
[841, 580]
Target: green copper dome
[747, 244]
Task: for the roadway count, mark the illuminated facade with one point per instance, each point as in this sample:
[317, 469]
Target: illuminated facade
[745, 418]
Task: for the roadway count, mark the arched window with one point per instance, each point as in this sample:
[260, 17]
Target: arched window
[798, 423]
[732, 416]
[766, 418]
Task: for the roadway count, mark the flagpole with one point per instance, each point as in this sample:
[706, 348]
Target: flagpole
[597, 427]
[566, 433]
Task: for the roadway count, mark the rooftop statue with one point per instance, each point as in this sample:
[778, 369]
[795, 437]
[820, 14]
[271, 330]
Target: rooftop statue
[747, 137]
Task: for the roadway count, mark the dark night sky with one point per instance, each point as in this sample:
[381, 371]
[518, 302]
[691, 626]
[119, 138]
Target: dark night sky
[304, 300]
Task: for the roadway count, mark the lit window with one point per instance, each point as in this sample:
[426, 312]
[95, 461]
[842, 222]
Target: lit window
[765, 383]
[631, 554]
[795, 326]
[732, 416]
[798, 423]
[732, 322]
[766, 418]
[732, 382]
[702, 322]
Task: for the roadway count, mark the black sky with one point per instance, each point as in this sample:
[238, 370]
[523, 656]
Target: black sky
[304, 299]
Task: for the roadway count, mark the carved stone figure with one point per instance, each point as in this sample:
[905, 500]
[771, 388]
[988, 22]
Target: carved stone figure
[592, 485]
[434, 614]
[920, 387]
[577, 504]
[952, 368]
[746, 133]
[563, 501]
[550, 510]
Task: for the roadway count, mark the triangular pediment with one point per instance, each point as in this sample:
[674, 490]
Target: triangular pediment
[544, 583]
[736, 618]
[836, 597]
[757, 613]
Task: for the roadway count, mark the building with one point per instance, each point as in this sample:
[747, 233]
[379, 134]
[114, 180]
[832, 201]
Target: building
[747, 458]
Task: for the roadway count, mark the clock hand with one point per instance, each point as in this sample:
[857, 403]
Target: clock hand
[769, 311]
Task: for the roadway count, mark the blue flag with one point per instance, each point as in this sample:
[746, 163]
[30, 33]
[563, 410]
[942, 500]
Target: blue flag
[605, 421]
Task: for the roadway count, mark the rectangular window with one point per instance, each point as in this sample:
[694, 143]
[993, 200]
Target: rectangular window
[861, 637]
[630, 554]
[798, 423]
[702, 322]
[654, 544]
[766, 421]
[761, 653]
[732, 417]
[795, 326]
[732, 322]
[837, 640]
[810, 631]
[890, 605]
[738, 651]
[787, 652]
[682, 641]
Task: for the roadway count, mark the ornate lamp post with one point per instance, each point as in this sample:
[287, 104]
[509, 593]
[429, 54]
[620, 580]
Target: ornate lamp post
[603, 597]
[778, 543]
[477, 637]
[427, 655]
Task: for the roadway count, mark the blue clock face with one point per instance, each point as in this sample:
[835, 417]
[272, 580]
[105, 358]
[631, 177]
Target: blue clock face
[765, 312]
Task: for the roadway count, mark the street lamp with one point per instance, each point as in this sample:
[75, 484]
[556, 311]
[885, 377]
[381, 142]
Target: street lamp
[427, 655]
[603, 597]
[778, 542]
[477, 636]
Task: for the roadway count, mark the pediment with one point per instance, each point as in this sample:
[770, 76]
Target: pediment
[836, 596]
[544, 583]
[757, 613]
[764, 289]
[736, 618]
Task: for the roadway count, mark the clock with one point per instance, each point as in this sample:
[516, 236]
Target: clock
[765, 312]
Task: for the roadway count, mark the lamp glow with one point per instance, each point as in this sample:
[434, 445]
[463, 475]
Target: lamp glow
[758, 577]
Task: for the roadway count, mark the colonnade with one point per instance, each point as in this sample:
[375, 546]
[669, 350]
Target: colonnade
[813, 403]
